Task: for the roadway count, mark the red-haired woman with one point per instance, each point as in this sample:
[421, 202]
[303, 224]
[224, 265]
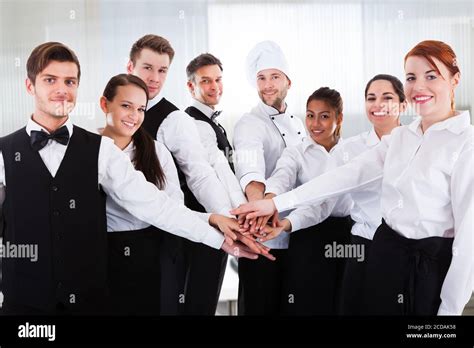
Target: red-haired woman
[420, 261]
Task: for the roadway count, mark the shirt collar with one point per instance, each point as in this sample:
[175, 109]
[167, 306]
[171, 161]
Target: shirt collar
[372, 138]
[455, 124]
[205, 109]
[153, 102]
[270, 110]
[33, 126]
[308, 142]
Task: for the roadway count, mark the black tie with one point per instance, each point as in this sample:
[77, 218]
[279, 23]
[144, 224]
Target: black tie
[39, 139]
[214, 115]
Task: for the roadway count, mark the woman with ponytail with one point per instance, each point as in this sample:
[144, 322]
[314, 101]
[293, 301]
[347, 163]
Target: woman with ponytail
[312, 280]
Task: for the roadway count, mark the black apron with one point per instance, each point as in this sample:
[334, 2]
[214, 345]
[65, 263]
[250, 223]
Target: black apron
[313, 280]
[134, 272]
[404, 276]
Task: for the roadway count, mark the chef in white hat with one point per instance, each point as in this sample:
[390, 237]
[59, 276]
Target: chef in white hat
[260, 137]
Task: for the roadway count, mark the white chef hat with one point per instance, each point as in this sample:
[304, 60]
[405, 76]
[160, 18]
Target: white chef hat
[265, 55]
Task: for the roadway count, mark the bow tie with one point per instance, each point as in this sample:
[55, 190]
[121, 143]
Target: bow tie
[215, 114]
[39, 139]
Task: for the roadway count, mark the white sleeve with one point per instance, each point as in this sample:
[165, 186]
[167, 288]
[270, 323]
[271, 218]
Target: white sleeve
[178, 132]
[285, 174]
[172, 185]
[129, 188]
[219, 162]
[249, 152]
[363, 171]
[458, 285]
[310, 215]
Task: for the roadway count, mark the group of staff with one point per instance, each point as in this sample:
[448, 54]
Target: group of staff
[124, 220]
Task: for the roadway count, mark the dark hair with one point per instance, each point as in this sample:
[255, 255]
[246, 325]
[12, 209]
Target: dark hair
[145, 158]
[333, 98]
[155, 43]
[43, 54]
[204, 59]
[396, 84]
[430, 49]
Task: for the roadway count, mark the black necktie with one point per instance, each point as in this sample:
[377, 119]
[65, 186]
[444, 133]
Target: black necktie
[214, 116]
[39, 139]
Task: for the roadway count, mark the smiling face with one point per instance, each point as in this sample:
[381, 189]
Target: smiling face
[321, 123]
[152, 68]
[382, 105]
[272, 86]
[206, 85]
[125, 113]
[55, 89]
[429, 91]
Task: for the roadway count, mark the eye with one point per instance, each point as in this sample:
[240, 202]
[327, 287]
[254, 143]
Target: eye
[325, 116]
[162, 71]
[309, 115]
[431, 77]
[126, 106]
[49, 80]
[410, 78]
[71, 82]
[275, 77]
[388, 98]
[371, 99]
[260, 78]
[147, 68]
[142, 110]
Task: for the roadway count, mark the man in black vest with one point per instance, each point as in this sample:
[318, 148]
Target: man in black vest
[204, 74]
[150, 58]
[58, 176]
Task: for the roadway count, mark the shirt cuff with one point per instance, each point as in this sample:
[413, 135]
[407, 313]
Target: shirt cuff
[249, 177]
[445, 311]
[272, 189]
[237, 198]
[213, 238]
[295, 222]
[285, 201]
[204, 216]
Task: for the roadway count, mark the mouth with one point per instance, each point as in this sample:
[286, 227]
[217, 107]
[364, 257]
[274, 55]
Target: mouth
[379, 113]
[129, 125]
[421, 99]
[61, 100]
[152, 88]
[317, 132]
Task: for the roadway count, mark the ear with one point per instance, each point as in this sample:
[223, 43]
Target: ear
[455, 79]
[403, 106]
[190, 85]
[103, 104]
[130, 67]
[30, 88]
[339, 119]
[289, 82]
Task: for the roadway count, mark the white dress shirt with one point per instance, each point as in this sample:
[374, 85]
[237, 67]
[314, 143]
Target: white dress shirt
[118, 219]
[298, 165]
[216, 157]
[129, 188]
[259, 140]
[179, 134]
[366, 211]
[427, 184]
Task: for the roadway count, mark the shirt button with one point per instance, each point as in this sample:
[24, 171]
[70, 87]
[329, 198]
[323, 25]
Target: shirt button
[54, 188]
[56, 212]
[299, 132]
[273, 118]
[291, 116]
[283, 134]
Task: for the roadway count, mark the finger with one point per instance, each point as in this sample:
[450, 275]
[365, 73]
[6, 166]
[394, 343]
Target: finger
[228, 232]
[228, 240]
[270, 257]
[248, 255]
[251, 245]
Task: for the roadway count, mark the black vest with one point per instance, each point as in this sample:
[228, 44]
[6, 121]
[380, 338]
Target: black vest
[153, 119]
[64, 216]
[221, 136]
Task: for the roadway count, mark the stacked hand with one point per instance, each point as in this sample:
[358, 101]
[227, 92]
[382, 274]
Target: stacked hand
[237, 241]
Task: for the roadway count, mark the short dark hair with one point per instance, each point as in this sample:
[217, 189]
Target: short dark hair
[155, 43]
[43, 54]
[204, 59]
[396, 84]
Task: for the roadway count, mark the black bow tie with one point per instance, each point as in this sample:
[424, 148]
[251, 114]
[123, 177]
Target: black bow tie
[215, 114]
[39, 139]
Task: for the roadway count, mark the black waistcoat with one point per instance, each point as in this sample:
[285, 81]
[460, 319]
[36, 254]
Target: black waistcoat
[222, 142]
[153, 119]
[64, 216]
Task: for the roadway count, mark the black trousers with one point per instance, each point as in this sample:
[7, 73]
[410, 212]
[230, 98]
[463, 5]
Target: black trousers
[260, 284]
[352, 293]
[134, 272]
[404, 276]
[205, 274]
[173, 274]
[314, 274]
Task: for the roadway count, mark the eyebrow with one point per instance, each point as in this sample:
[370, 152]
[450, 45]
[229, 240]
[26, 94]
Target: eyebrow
[151, 65]
[66, 78]
[127, 101]
[426, 72]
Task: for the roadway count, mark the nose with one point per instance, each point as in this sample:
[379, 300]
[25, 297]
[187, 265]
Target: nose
[419, 85]
[155, 76]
